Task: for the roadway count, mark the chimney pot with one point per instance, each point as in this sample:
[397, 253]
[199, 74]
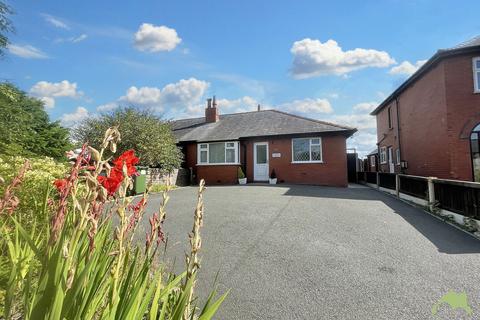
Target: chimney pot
[258, 107]
[211, 112]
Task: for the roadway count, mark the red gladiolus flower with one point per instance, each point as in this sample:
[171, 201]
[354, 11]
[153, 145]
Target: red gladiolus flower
[60, 184]
[113, 181]
[128, 158]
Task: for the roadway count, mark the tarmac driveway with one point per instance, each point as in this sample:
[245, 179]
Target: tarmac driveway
[307, 252]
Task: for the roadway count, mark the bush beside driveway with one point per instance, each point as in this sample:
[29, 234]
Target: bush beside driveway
[307, 252]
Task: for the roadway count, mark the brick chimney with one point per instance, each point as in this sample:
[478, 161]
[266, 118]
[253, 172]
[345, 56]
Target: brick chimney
[211, 112]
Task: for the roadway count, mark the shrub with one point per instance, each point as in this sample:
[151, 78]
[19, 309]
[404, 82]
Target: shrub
[25, 127]
[240, 173]
[142, 131]
[42, 173]
[82, 267]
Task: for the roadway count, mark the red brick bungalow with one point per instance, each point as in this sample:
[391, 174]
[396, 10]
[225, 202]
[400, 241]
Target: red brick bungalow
[301, 150]
[430, 125]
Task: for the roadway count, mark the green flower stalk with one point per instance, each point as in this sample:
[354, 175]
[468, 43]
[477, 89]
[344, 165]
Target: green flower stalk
[81, 262]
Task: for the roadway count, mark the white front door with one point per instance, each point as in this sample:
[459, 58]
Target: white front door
[391, 166]
[260, 161]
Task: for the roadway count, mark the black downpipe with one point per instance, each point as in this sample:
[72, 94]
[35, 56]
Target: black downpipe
[397, 106]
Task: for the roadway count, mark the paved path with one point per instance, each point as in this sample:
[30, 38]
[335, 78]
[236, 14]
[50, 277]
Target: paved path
[305, 252]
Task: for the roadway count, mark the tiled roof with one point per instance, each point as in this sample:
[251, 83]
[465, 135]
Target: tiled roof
[252, 124]
[474, 42]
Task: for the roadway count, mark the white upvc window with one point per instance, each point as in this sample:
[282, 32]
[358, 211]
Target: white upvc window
[218, 153]
[307, 150]
[383, 155]
[476, 75]
[372, 161]
[398, 156]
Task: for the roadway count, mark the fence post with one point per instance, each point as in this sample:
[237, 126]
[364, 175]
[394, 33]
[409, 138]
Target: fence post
[431, 193]
[378, 180]
[397, 185]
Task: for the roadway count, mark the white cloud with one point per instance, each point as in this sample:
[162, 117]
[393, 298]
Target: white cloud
[54, 21]
[156, 38]
[144, 96]
[107, 107]
[360, 121]
[81, 37]
[180, 95]
[26, 51]
[307, 105]
[365, 139]
[407, 68]
[48, 102]
[225, 106]
[77, 39]
[313, 58]
[48, 91]
[365, 106]
[70, 119]
[334, 95]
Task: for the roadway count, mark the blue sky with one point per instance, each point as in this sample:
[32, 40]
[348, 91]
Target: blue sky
[330, 60]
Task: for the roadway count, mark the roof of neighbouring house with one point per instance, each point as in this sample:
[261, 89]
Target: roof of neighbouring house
[373, 152]
[252, 124]
[468, 46]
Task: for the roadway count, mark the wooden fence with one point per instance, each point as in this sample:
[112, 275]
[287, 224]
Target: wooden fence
[460, 197]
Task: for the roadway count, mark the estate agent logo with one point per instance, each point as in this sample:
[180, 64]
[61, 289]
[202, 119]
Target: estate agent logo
[455, 301]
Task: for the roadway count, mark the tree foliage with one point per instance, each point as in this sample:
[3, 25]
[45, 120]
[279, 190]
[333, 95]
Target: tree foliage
[142, 130]
[5, 25]
[25, 128]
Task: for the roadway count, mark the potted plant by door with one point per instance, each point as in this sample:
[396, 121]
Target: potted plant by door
[241, 176]
[273, 177]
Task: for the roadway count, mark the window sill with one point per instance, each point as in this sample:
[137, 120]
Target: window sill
[218, 164]
[306, 162]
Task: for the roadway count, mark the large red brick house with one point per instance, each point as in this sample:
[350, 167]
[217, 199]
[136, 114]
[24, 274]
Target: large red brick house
[430, 125]
[300, 150]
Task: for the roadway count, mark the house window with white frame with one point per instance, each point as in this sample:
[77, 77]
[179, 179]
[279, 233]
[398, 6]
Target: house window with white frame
[476, 74]
[218, 153]
[372, 161]
[383, 155]
[398, 156]
[305, 150]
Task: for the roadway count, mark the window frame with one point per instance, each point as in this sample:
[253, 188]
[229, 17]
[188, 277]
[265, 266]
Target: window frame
[383, 155]
[372, 161]
[310, 150]
[397, 156]
[390, 159]
[476, 72]
[200, 148]
[389, 115]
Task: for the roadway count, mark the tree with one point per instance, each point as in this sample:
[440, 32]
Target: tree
[5, 25]
[143, 131]
[25, 128]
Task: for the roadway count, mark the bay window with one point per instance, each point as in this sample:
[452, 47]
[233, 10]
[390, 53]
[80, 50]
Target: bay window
[306, 150]
[476, 75]
[218, 153]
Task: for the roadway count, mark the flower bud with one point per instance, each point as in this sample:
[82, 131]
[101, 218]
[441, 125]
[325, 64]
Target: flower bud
[95, 154]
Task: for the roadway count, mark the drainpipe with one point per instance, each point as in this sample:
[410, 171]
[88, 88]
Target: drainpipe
[397, 105]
